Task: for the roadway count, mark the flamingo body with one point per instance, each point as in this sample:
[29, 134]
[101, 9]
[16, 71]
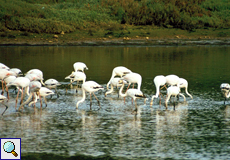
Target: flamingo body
[133, 78]
[172, 80]
[173, 91]
[91, 87]
[118, 71]
[183, 83]
[133, 93]
[114, 83]
[225, 87]
[79, 66]
[158, 81]
[3, 66]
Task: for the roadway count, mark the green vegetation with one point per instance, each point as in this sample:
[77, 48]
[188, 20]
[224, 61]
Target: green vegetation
[112, 17]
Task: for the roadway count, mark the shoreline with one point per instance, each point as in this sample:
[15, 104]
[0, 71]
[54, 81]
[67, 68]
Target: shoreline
[121, 42]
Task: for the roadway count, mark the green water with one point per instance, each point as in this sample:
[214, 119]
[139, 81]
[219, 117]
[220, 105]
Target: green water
[197, 129]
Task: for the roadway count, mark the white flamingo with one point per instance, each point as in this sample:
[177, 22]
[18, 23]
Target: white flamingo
[52, 84]
[2, 99]
[225, 87]
[34, 87]
[3, 66]
[38, 72]
[133, 78]
[7, 80]
[17, 71]
[43, 92]
[20, 82]
[91, 87]
[80, 66]
[133, 93]
[172, 80]
[76, 76]
[114, 83]
[118, 71]
[158, 81]
[183, 83]
[3, 74]
[173, 91]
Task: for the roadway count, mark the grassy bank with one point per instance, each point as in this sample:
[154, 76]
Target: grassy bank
[128, 33]
[61, 21]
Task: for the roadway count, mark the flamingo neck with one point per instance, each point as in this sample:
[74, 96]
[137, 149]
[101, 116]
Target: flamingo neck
[113, 75]
[83, 97]
[157, 91]
[120, 91]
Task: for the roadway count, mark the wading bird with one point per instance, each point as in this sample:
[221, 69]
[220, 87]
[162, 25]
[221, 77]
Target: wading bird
[76, 76]
[80, 66]
[133, 93]
[158, 81]
[183, 83]
[118, 71]
[114, 83]
[38, 72]
[173, 91]
[42, 92]
[52, 84]
[91, 87]
[20, 83]
[3, 66]
[225, 87]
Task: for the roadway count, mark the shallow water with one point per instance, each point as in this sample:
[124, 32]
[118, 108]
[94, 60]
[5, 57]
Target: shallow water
[197, 129]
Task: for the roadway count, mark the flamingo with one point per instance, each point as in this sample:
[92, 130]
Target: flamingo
[3, 74]
[79, 66]
[118, 71]
[158, 81]
[76, 76]
[114, 83]
[17, 71]
[2, 98]
[52, 84]
[173, 91]
[172, 80]
[7, 80]
[91, 87]
[38, 72]
[133, 93]
[225, 90]
[183, 83]
[43, 92]
[3, 66]
[34, 87]
[133, 78]
[21, 82]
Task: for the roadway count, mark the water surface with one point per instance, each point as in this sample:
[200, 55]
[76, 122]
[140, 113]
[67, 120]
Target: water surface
[197, 129]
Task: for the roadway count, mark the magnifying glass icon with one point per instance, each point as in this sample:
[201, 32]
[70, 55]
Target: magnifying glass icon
[9, 147]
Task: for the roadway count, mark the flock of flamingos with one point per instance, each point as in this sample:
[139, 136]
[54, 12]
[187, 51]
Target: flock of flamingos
[32, 85]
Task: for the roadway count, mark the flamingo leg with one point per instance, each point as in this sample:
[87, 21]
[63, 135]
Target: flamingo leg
[2, 88]
[16, 100]
[126, 91]
[56, 93]
[90, 101]
[5, 109]
[45, 100]
[77, 86]
[22, 96]
[7, 91]
[97, 100]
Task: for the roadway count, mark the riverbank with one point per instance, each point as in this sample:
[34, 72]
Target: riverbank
[130, 36]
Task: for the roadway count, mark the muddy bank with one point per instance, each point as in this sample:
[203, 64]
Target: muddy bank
[111, 42]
